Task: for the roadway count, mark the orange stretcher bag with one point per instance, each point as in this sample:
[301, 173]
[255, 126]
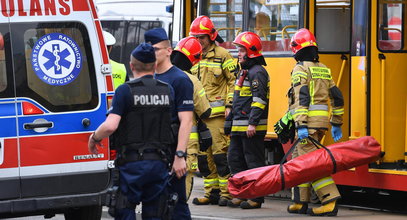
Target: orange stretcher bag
[323, 162]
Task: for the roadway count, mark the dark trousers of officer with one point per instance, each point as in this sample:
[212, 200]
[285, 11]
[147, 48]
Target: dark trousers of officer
[181, 211]
[143, 181]
[246, 153]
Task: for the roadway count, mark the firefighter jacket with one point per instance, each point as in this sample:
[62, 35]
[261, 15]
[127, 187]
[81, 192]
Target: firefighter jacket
[311, 86]
[250, 101]
[202, 108]
[216, 71]
[147, 124]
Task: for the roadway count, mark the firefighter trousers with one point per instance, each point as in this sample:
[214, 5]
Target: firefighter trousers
[192, 164]
[325, 188]
[246, 153]
[213, 163]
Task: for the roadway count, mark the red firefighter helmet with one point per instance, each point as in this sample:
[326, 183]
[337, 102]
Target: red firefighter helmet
[251, 42]
[191, 48]
[301, 39]
[203, 25]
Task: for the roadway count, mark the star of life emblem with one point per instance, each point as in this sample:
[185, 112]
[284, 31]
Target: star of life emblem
[56, 59]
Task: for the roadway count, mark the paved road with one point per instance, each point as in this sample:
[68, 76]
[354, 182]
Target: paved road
[273, 208]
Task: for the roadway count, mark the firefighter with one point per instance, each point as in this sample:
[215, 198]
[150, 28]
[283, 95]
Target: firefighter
[216, 71]
[248, 118]
[119, 73]
[311, 87]
[187, 53]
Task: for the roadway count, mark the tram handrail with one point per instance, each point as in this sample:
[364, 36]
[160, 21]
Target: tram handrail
[382, 78]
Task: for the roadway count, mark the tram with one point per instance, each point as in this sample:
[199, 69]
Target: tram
[362, 41]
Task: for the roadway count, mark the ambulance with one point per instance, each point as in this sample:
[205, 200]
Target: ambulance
[55, 80]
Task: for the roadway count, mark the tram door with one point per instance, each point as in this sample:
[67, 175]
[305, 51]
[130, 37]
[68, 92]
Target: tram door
[387, 93]
[332, 24]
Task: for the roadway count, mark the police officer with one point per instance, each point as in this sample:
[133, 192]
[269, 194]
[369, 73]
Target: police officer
[143, 139]
[118, 69]
[183, 112]
[249, 113]
[311, 87]
[216, 71]
[187, 53]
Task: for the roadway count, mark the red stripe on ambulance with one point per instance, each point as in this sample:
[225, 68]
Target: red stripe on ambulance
[105, 56]
[10, 152]
[94, 12]
[80, 5]
[40, 152]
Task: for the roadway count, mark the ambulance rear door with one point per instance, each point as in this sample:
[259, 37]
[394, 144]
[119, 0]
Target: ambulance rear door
[9, 171]
[61, 98]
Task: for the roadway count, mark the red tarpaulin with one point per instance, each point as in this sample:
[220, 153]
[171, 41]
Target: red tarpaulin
[315, 165]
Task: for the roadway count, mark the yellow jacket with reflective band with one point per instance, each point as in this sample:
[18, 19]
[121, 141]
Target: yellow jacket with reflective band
[216, 71]
[118, 73]
[250, 101]
[311, 87]
[201, 104]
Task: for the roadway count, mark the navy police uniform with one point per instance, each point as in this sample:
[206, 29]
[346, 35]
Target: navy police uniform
[144, 138]
[183, 89]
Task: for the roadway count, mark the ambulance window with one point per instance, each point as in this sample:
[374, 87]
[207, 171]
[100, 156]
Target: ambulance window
[6, 73]
[54, 65]
[3, 72]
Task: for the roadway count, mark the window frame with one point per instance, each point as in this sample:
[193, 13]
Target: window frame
[302, 7]
[378, 17]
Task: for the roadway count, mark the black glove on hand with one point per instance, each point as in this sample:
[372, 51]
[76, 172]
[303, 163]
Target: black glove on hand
[205, 137]
[227, 128]
[285, 128]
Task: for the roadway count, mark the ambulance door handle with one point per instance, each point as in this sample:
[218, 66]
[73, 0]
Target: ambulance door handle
[38, 125]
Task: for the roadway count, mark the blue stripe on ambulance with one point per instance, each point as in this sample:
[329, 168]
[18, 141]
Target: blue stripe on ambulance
[64, 122]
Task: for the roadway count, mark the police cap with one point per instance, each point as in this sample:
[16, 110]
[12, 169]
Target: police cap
[144, 53]
[155, 35]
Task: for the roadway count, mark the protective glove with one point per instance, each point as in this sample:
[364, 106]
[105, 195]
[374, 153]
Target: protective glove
[302, 133]
[285, 128]
[336, 133]
[204, 136]
[283, 124]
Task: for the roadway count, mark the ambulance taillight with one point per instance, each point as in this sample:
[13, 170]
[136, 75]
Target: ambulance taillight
[109, 99]
[30, 109]
[113, 154]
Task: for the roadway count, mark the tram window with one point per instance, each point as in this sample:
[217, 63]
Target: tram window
[275, 22]
[390, 29]
[333, 26]
[226, 15]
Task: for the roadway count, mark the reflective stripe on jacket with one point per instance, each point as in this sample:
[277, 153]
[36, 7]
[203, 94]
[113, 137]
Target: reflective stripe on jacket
[311, 87]
[250, 101]
[202, 107]
[216, 71]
